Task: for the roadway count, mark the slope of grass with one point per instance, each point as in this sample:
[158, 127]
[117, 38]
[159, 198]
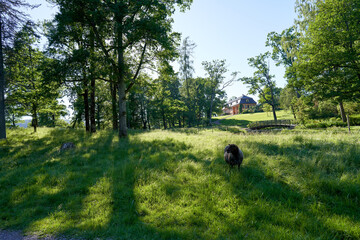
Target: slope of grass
[175, 185]
[243, 120]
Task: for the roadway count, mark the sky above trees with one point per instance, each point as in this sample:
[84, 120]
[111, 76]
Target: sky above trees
[234, 30]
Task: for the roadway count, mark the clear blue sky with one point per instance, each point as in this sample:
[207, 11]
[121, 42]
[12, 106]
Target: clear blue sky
[234, 30]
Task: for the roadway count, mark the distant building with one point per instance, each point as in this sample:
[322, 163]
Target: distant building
[232, 106]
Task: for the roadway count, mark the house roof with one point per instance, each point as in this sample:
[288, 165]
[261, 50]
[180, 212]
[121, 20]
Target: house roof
[241, 100]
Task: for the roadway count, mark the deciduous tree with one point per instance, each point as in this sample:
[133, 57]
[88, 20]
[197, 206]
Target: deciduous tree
[262, 82]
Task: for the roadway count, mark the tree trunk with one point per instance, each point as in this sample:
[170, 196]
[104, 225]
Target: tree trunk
[122, 109]
[121, 80]
[274, 112]
[53, 119]
[34, 118]
[98, 115]
[164, 120]
[293, 111]
[115, 120]
[211, 106]
[92, 106]
[342, 111]
[2, 89]
[86, 108]
[13, 120]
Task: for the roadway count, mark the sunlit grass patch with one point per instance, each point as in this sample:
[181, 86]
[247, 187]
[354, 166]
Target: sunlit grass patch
[243, 120]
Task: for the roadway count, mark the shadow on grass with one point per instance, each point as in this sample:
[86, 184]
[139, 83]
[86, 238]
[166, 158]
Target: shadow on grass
[86, 192]
[138, 188]
[325, 168]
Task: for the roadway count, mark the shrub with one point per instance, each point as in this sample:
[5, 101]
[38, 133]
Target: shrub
[355, 120]
[333, 122]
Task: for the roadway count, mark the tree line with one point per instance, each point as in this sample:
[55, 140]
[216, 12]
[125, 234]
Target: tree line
[113, 60]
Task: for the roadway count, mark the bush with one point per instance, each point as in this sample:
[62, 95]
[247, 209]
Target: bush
[355, 120]
[333, 122]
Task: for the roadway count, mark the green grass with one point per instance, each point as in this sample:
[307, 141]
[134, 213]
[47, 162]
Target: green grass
[176, 185]
[243, 120]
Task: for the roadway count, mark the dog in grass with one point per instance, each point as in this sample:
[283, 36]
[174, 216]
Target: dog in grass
[233, 155]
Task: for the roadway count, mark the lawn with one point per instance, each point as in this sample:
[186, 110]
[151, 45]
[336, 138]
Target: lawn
[175, 185]
[243, 120]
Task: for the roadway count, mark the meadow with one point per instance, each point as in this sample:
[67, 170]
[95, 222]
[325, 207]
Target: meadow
[242, 120]
[174, 184]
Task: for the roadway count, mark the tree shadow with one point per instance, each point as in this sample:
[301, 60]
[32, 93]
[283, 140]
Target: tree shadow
[321, 169]
[86, 192]
[166, 188]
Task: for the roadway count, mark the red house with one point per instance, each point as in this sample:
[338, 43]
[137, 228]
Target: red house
[232, 106]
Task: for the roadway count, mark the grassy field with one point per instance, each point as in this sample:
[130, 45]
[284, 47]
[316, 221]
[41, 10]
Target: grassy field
[176, 185]
[243, 120]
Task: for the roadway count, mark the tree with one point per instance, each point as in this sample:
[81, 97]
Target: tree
[27, 67]
[262, 82]
[330, 55]
[123, 30]
[288, 99]
[10, 18]
[285, 47]
[186, 73]
[215, 71]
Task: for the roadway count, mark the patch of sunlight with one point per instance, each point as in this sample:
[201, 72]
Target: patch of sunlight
[97, 206]
[42, 186]
[343, 224]
[20, 195]
[189, 167]
[58, 221]
[86, 155]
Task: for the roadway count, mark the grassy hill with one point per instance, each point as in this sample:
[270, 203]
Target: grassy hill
[176, 185]
[243, 120]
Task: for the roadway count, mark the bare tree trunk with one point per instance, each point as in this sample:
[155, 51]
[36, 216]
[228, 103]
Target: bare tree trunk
[53, 119]
[342, 111]
[92, 106]
[293, 111]
[2, 89]
[122, 108]
[121, 82]
[274, 112]
[115, 120]
[34, 120]
[164, 120]
[86, 108]
[211, 106]
[98, 115]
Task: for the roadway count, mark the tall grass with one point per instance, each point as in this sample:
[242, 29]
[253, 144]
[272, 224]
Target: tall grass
[176, 185]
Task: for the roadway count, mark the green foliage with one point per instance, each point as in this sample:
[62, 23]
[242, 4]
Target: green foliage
[333, 122]
[29, 89]
[176, 185]
[215, 72]
[127, 35]
[329, 57]
[267, 94]
[262, 82]
[355, 120]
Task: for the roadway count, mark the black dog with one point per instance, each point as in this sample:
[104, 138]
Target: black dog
[233, 155]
